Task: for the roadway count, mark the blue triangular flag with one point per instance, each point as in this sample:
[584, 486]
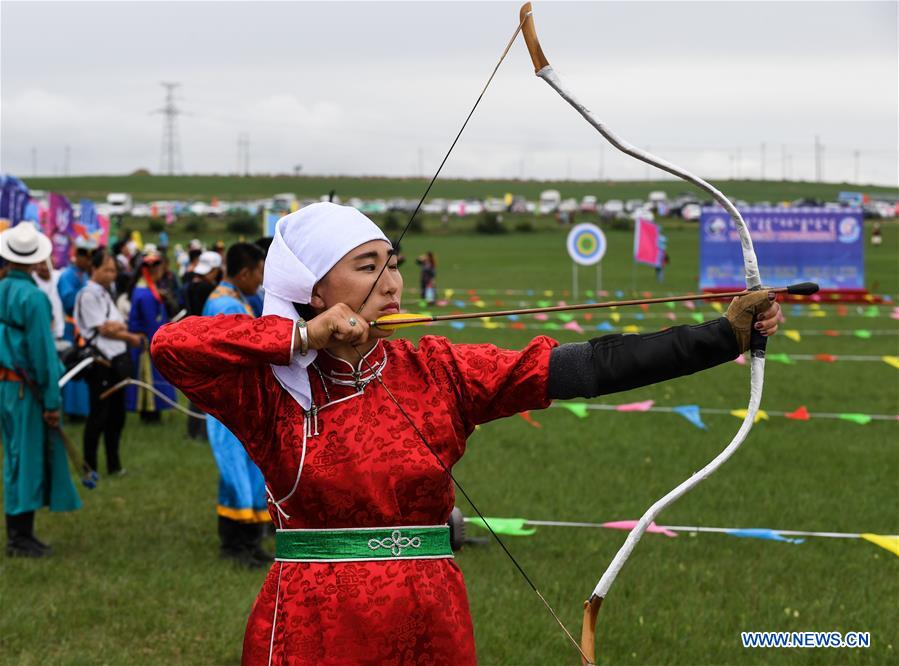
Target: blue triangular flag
[762, 533]
[691, 413]
[605, 326]
[457, 324]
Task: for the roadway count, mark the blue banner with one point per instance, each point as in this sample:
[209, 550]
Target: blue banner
[793, 245]
[14, 198]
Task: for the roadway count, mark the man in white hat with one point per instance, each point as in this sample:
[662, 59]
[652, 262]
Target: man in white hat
[35, 468]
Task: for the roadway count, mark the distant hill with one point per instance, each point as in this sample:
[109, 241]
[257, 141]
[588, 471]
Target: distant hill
[145, 187]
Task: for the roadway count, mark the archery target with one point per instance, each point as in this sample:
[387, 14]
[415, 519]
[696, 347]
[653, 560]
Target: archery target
[586, 244]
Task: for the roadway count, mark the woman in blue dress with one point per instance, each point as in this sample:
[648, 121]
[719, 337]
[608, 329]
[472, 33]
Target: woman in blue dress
[148, 313]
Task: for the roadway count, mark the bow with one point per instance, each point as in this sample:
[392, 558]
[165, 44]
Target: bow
[757, 344]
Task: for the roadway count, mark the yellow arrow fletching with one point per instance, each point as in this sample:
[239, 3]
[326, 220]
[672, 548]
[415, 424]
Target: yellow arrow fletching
[404, 319]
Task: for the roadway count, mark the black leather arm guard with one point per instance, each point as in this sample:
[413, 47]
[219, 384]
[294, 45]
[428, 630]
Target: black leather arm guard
[619, 362]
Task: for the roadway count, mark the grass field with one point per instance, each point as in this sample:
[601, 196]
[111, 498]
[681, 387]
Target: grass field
[136, 579]
[151, 188]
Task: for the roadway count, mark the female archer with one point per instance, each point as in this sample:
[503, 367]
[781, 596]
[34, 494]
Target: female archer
[354, 435]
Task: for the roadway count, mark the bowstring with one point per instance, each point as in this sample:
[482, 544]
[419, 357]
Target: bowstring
[408, 418]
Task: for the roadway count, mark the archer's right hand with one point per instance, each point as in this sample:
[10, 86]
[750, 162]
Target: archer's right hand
[337, 325]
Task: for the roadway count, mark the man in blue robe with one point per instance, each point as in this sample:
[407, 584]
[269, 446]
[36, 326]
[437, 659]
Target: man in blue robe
[74, 277]
[242, 505]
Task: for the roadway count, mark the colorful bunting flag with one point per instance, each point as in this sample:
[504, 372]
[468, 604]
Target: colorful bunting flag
[579, 409]
[793, 335]
[505, 526]
[890, 542]
[892, 361]
[527, 417]
[760, 415]
[691, 413]
[861, 419]
[643, 406]
[781, 358]
[573, 326]
[863, 334]
[762, 533]
[630, 524]
[800, 414]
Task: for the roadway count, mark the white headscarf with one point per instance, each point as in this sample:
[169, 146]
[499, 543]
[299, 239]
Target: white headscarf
[306, 246]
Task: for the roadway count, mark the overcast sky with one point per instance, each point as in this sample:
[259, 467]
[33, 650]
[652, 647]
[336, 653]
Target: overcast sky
[381, 88]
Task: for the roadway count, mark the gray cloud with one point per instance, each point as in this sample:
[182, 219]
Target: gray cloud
[381, 88]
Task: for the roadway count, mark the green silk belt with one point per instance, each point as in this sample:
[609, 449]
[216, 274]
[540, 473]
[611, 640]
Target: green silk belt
[366, 543]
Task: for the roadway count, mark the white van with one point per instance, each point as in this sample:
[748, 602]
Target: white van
[549, 202]
[119, 203]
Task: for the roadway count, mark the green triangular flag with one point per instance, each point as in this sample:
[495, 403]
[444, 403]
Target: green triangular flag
[579, 409]
[566, 317]
[507, 526]
[551, 326]
[862, 333]
[543, 304]
[781, 358]
[872, 311]
[697, 316]
[861, 419]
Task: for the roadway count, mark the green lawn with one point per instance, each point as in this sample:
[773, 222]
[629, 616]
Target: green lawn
[136, 579]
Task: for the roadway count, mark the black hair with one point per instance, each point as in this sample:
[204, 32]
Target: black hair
[242, 255]
[305, 311]
[117, 247]
[193, 255]
[99, 256]
[265, 242]
[83, 252]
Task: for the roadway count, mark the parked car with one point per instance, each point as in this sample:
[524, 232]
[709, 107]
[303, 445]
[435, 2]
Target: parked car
[612, 208]
[691, 211]
[589, 204]
[494, 205]
[633, 204]
[568, 206]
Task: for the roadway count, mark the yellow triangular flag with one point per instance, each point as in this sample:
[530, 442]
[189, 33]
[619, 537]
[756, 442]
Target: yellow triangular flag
[760, 415]
[891, 360]
[616, 317]
[716, 306]
[817, 313]
[448, 293]
[891, 543]
[631, 328]
[793, 335]
[479, 303]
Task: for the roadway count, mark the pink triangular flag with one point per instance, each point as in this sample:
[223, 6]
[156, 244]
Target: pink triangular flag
[740, 360]
[573, 326]
[643, 406]
[629, 525]
[542, 316]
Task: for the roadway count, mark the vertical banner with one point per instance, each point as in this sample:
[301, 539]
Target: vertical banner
[647, 243]
[14, 198]
[90, 226]
[793, 245]
[57, 227]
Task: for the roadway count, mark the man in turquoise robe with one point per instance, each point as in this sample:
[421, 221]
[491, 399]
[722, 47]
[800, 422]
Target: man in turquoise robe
[35, 467]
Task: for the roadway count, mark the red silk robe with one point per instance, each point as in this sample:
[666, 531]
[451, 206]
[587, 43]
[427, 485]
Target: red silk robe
[366, 467]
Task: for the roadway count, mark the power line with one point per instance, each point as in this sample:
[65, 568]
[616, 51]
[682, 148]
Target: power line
[170, 155]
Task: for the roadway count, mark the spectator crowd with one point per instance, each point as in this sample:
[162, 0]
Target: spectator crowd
[106, 305]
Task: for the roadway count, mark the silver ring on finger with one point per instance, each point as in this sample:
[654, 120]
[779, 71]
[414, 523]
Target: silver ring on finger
[352, 321]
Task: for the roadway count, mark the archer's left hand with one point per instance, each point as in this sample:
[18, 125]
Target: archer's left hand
[757, 309]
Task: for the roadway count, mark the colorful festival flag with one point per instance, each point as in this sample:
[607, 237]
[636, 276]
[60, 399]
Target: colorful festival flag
[14, 198]
[646, 243]
[57, 226]
[691, 413]
[890, 542]
[762, 533]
